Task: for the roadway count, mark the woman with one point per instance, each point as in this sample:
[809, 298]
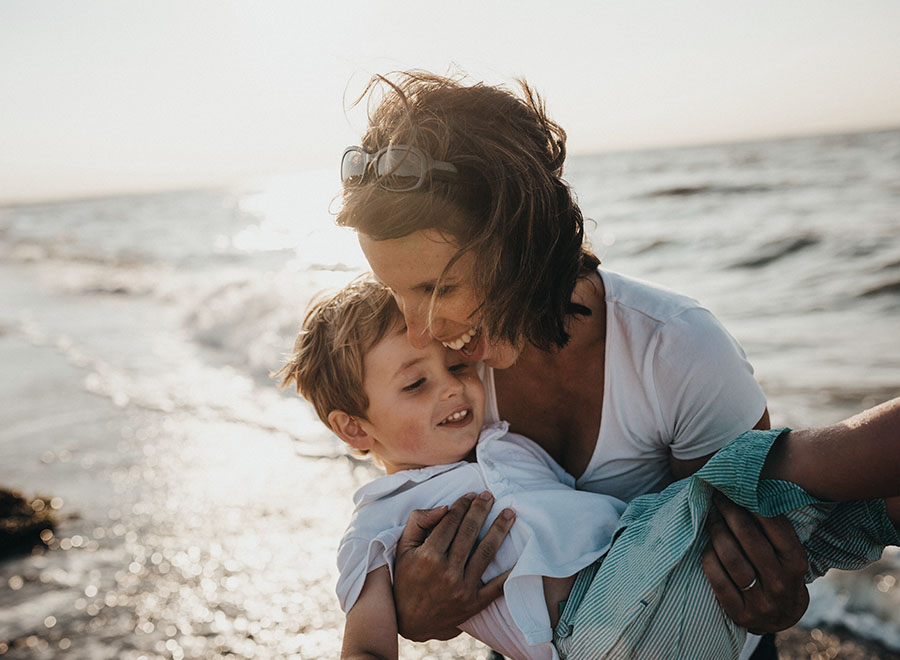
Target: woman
[457, 196]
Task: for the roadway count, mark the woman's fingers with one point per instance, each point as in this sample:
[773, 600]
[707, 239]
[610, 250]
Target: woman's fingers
[446, 531]
[726, 524]
[785, 543]
[722, 585]
[439, 564]
[493, 589]
[418, 527]
[467, 532]
[756, 567]
[486, 549]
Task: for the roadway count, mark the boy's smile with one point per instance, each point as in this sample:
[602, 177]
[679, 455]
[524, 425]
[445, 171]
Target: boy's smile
[426, 405]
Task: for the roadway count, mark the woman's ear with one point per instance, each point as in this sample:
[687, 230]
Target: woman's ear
[349, 430]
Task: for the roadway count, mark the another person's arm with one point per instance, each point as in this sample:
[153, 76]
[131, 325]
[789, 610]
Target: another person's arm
[371, 628]
[439, 564]
[856, 459]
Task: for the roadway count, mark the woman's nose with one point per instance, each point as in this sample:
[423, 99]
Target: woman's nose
[417, 329]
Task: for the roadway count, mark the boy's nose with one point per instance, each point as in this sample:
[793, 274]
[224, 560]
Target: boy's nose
[452, 387]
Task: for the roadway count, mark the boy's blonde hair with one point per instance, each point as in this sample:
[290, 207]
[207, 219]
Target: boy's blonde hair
[327, 363]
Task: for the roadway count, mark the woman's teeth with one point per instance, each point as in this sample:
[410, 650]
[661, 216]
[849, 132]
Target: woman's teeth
[455, 417]
[461, 341]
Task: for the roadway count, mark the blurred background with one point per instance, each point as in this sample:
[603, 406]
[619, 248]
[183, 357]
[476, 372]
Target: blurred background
[168, 175]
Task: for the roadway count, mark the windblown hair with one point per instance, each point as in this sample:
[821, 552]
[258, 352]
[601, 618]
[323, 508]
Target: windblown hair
[509, 206]
[327, 365]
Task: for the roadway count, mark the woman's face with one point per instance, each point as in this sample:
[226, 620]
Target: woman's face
[411, 266]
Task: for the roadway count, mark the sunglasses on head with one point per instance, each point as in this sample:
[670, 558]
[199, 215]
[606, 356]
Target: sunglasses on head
[397, 167]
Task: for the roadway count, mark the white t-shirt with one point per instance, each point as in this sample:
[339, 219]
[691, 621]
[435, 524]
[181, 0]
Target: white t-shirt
[558, 531]
[675, 382]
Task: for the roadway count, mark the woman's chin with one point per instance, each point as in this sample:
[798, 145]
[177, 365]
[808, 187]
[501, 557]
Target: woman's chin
[496, 356]
[501, 361]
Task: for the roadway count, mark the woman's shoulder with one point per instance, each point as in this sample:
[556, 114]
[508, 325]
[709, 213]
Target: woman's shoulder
[626, 295]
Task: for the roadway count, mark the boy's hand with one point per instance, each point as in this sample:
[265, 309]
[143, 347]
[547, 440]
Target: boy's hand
[439, 564]
[756, 567]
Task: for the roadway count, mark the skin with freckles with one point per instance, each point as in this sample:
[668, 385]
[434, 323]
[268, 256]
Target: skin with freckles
[436, 304]
[426, 405]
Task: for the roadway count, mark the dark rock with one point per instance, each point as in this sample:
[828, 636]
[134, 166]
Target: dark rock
[22, 521]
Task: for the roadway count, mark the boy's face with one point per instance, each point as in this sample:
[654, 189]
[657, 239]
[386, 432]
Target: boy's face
[426, 405]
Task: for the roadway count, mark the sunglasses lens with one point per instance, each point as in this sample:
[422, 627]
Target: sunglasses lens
[353, 167]
[400, 169]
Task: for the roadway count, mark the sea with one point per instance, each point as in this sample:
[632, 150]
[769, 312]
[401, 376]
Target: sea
[200, 507]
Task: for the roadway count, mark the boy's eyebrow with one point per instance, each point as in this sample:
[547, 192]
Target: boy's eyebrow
[406, 365]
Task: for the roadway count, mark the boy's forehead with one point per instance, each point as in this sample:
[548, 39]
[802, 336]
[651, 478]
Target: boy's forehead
[394, 354]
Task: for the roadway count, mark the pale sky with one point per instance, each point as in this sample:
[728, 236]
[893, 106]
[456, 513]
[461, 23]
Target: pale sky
[115, 96]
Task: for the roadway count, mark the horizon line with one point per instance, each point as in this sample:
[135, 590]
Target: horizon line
[247, 180]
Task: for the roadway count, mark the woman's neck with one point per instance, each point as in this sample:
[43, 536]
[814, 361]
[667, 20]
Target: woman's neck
[555, 397]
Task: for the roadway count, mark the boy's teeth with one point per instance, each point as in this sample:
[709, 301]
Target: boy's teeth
[455, 417]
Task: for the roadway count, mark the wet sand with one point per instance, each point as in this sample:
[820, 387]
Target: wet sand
[817, 644]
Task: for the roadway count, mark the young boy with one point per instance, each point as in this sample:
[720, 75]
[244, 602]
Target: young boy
[570, 591]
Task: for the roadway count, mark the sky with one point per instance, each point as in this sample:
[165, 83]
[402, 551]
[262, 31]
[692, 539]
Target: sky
[103, 97]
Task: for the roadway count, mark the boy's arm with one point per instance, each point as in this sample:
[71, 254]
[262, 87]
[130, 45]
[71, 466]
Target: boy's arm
[371, 627]
[856, 459]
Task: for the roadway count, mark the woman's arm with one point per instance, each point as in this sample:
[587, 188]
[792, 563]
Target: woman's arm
[439, 564]
[371, 628]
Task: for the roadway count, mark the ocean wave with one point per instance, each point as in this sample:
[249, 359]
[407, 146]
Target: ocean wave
[192, 387]
[778, 249]
[710, 189]
[251, 321]
[885, 289]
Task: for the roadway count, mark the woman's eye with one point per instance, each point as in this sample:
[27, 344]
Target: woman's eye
[445, 290]
[414, 386]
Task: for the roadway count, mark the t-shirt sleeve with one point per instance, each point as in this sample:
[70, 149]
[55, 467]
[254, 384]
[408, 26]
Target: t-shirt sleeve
[704, 385]
[359, 556]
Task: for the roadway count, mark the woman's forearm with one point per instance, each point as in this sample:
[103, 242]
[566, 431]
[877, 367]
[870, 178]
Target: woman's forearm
[858, 458]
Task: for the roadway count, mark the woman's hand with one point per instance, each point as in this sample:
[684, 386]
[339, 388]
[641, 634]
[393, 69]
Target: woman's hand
[756, 567]
[439, 563]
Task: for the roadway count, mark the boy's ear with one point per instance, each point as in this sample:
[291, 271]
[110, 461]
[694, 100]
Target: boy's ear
[349, 429]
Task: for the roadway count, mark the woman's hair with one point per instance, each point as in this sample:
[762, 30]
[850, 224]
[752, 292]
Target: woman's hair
[509, 205]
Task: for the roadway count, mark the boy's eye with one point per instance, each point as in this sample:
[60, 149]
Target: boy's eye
[460, 367]
[414, 386]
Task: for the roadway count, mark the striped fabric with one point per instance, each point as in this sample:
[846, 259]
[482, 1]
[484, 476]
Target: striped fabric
[650, 598]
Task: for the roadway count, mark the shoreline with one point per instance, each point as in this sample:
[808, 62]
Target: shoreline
[798, 643]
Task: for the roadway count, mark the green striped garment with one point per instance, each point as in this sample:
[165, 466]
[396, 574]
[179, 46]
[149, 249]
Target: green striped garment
[649, 598]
